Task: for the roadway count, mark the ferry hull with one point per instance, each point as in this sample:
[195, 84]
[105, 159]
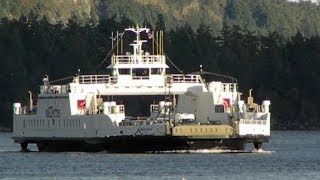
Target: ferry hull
[139, 144]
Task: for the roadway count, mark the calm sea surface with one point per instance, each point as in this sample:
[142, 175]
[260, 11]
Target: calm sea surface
[289, 155]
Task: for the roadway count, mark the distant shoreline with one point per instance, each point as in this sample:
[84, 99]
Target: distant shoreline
[5, 129]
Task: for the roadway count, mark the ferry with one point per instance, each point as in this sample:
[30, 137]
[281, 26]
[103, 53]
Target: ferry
[189, 113]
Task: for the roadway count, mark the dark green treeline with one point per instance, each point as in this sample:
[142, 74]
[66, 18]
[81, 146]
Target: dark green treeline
[285, 71]
[260, 16]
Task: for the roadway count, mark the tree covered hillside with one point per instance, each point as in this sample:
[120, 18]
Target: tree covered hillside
[259, 16]
[56, 11]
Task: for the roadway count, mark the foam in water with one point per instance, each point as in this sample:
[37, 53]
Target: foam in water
[214, 151]
[203, 151]
[261, 151]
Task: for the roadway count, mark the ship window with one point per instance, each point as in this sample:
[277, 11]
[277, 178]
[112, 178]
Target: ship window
[224, 87]
[140, 72]
[219, 108]
[156, 71]
[124, 71]
[231, 87]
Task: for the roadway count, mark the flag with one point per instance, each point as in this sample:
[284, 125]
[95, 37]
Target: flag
[81, 104]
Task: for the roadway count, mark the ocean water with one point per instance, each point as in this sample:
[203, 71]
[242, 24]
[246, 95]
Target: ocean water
[289, 155]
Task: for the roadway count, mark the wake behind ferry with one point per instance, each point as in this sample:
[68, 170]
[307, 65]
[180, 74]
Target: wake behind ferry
[192, 115]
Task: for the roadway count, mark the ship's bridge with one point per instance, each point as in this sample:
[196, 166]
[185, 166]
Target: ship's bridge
[139, 72]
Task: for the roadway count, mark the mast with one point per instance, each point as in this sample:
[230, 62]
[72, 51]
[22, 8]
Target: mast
[137, 45]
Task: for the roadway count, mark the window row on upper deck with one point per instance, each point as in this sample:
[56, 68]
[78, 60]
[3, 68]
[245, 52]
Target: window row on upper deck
[138, 59]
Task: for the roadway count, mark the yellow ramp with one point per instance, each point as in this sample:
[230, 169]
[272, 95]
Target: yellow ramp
[203, 130]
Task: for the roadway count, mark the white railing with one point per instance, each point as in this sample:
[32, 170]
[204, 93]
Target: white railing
[180, 78]
[97, 79]
[107, 79]
[140, 77]
[139, 59]
[25, 110]
[251, 121]
[54, 89]
[256, 109]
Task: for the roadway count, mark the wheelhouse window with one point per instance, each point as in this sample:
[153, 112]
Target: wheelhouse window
[156, 71]
[219, 108]
[140, 72]
[124, 71]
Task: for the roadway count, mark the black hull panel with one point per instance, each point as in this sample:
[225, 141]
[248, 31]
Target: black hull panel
[140, 144]
[157, 144]
[68, 146]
